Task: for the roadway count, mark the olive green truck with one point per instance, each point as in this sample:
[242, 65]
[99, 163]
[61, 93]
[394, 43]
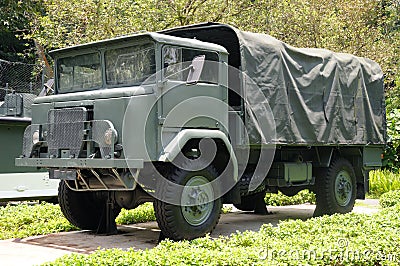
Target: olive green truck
[193, 117]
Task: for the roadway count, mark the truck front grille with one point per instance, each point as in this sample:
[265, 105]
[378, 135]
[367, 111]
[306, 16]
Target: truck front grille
[66, 130]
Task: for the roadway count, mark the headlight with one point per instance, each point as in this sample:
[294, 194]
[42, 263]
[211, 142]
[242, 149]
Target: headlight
[110, 136]
[35, 137]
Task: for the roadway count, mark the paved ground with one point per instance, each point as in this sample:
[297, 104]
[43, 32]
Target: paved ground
[40, 249]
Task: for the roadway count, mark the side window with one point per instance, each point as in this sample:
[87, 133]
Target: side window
[172, 60]
[177, 61]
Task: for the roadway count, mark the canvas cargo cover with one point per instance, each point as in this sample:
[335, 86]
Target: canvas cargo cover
[316, 96]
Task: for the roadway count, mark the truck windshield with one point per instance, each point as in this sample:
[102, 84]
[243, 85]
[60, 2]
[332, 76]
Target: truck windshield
[125, 66]
[81, 72]
[130, 65]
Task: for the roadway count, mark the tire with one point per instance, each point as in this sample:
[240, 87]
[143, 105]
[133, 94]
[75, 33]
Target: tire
[335, 188]
[290, 191]
[188, 222]
[247, 204]
[83, 209]
[248, 198]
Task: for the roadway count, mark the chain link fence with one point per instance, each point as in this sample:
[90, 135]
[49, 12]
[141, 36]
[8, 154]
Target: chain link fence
[21, 78]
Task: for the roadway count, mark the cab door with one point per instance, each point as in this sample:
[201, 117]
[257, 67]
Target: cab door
[188, 104]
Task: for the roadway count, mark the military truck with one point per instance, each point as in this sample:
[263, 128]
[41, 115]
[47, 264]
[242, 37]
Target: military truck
[193, 117]
[19, 183]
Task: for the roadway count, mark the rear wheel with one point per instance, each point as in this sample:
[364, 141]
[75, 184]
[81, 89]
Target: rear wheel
[251, 201]
[198, 212]
[336, 188]
[85, 210]
[247, 203]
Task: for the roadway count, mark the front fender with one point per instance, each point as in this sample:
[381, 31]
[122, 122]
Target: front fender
[174, 146]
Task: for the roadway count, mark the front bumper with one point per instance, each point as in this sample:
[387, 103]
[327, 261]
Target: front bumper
[79, 163]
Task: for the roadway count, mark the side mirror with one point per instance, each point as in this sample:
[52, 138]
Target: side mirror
[195, 69]
[47, 88]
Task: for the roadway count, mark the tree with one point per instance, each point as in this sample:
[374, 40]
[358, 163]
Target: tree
[69, 22]
[15, 17]
[367, 28]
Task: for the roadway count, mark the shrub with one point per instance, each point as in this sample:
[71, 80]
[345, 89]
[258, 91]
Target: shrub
[141, 214]
[350, 239]
[279, 199]
[25, 220]
[390, 199]
[382, 181]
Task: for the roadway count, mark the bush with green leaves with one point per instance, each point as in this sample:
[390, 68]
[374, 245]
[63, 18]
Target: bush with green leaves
[279, 199]
[25, 220]
[350, 239]
[382, 181]
[390, 199]
[143, 213]
[392, 152]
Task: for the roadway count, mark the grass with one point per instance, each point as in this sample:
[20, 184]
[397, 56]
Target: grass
[350, 239]
[390, 199]
[25, 220]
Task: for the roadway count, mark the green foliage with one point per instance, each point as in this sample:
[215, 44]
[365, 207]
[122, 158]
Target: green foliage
[16, 17]
[68, 22]
[25, 220]
[328, 240]
[392, 153]
[362, 27]
[382, 181]
[390, 199]
[141, 214]
[280, 199]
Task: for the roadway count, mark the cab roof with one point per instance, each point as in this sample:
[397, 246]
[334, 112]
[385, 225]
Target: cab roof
[150, 36]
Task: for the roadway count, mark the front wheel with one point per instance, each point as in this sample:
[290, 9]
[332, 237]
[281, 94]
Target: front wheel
[198, 212]
[336, 188]
[83, 209]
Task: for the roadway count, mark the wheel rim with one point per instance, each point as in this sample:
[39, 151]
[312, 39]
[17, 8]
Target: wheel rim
[343, 188]
[197, 200]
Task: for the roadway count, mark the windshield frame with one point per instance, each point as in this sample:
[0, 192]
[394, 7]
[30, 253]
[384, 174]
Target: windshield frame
[101, 49]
